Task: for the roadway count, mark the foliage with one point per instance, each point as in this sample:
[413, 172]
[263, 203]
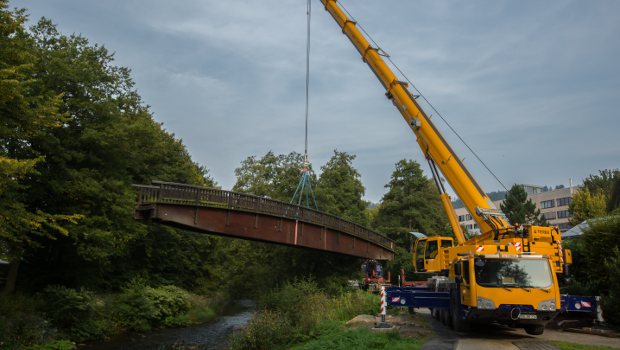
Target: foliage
[600, 265]
[586, 205]
[521, 210]
[265, 331]
[23, 329]
[274, 176]
[62, 344]
[339, 190]
[74, 136]
[27, 114]
[294, 313]
[602, 182]
[141, 307]
[411, 204]
[614, 197]
[67, 307]
[334, 336]
[277, 176]
[562, 345]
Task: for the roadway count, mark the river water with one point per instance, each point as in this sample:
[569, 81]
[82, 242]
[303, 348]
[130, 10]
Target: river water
[209, 336]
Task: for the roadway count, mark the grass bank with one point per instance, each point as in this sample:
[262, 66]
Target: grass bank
[60, 317]
[300, 315]
[562, 345]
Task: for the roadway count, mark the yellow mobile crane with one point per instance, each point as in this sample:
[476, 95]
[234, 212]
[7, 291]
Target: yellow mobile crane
[508, 274]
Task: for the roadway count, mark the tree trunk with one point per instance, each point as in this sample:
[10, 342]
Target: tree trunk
[9, 287]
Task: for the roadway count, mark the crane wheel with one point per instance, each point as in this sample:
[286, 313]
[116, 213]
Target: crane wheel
[534, 329]
[458, 324]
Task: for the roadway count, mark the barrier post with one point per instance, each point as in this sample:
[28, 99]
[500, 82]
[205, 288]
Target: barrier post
[383, 310]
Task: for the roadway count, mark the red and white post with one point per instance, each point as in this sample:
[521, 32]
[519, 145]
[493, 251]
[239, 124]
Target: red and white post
[383, 310]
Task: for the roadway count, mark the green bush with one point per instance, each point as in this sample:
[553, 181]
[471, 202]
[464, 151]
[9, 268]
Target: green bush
[66, 307]
[20, 329]
[78, 314]
[266, 330]
[140, 307]
[303, 307]
[55, 345]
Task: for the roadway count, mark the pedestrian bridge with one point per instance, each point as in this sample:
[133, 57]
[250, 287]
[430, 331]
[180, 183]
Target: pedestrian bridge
[232, 214]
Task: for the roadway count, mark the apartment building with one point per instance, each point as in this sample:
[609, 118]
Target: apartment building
[553, 205]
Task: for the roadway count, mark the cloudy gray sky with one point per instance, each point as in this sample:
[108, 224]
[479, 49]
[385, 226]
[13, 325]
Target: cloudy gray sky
[533, 86]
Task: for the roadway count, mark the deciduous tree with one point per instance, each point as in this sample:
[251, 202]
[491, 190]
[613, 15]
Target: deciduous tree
[586, 205]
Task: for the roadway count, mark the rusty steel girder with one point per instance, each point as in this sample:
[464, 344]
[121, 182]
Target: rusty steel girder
[255, 218]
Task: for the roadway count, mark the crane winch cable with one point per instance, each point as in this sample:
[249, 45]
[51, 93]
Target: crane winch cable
[386, 55]
[305, 182]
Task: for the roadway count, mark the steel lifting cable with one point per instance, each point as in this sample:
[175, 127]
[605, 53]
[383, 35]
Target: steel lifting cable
[309, 14]
[422, 95]
[305, 182]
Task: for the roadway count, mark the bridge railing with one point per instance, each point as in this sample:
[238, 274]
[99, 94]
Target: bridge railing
[174, 193]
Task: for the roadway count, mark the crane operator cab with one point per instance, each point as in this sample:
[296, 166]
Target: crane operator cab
[427, 252]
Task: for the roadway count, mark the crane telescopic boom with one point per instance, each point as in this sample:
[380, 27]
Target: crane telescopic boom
[436, 150]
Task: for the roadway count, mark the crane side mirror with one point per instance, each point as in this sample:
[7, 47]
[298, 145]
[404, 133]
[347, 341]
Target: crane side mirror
[457, 269]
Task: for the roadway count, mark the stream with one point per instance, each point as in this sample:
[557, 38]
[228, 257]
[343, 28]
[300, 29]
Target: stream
[209, 336]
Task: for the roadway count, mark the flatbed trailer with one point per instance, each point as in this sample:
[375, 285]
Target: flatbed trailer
[572, 306]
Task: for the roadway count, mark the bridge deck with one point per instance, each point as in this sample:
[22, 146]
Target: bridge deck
[245, 216]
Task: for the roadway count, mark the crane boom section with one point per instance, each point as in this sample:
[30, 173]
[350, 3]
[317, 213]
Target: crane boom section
[429, 138]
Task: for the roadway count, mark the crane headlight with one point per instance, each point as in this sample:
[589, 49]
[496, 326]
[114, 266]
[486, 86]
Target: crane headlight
[547, 305]
[485, 304]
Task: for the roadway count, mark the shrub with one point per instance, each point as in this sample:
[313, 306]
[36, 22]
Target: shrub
[303, 308]
[141, 307]
[55, 345]
[23, 329]
[66, 307]
[265, 331]
[77, 313]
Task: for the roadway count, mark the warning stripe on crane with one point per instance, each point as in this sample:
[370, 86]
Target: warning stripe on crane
[479, 249]
[561, 253]
[518, 246]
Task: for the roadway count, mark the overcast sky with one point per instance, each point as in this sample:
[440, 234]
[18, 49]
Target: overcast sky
[533, 86]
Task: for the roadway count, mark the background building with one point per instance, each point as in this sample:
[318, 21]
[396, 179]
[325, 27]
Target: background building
[553, 205]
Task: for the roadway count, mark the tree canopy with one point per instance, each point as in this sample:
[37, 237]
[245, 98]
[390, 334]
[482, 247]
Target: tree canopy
[521, 210]
[339, 190]
[410, 204]
[74, 137]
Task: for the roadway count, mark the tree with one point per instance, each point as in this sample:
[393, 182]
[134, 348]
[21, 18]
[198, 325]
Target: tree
[603, 182]
[105, 141]
[521, 210]
[27, 113]
[339, 190]
[586, 205]
[275, 176]
[614, 199]
[411, 204]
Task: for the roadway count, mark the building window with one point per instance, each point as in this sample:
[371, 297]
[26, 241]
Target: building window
[550, 215]
[564, 201]
[465, 217]
[563, 214]
[547, 204]
[564, 226]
